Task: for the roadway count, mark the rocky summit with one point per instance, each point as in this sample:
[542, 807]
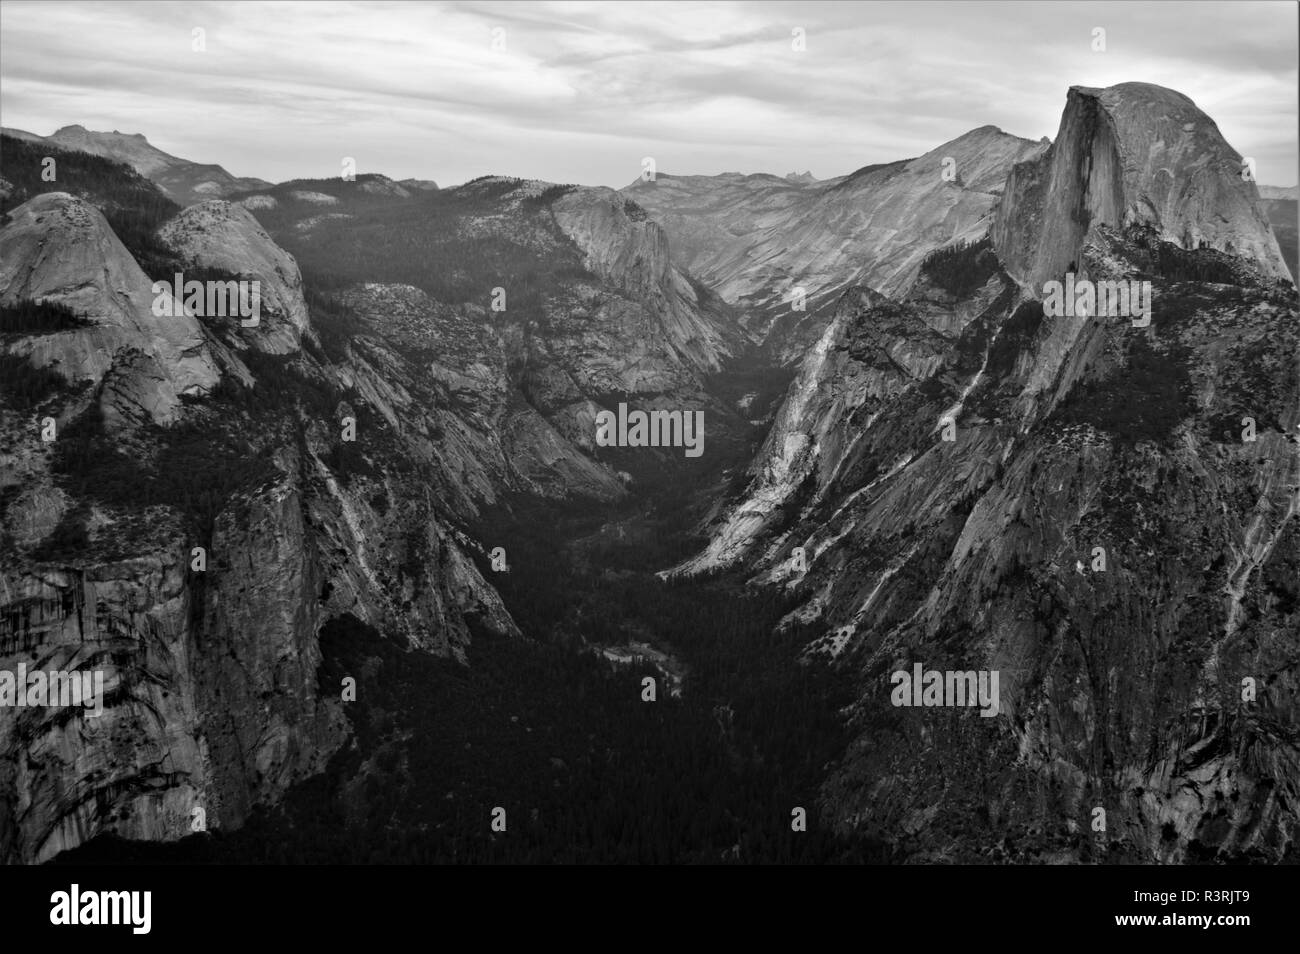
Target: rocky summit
[963, 562]
[1069, 501]
[1133, 153]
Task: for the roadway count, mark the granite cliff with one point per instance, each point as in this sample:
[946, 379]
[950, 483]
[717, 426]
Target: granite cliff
[214, 494]
[1101, 510]
[755, 239]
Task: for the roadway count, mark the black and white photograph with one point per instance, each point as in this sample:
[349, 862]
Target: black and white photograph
[855, 434]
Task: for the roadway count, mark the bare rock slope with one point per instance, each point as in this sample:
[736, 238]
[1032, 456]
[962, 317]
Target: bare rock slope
[58, 248]
[756, 239]
[1132, 153]
[1075, 503]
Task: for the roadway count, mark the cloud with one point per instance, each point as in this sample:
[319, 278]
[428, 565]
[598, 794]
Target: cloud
[582, 91]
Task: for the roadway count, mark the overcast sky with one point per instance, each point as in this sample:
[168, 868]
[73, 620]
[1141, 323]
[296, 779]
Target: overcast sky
[583, 91]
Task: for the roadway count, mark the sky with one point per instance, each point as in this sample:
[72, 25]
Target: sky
[583, 92]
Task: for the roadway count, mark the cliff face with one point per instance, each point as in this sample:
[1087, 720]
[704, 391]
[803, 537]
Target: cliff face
[441, 376]
[184, 432]
[630, 252]
[592, 310]
[1130, 154]
[1095, 526]
[856, 368]
[210, 694]
[1121, 683]
[755, 238]
[949, 461]
[211, 699]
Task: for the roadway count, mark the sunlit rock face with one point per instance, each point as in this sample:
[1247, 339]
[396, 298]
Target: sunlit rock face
[440, 375]
[212, 701]
[624, 248]
[219, 235]
[935, 488]
[872, 349]
[964, 482]
[1131, 154]
[756, 239]
[59, 249]
[1122, 667]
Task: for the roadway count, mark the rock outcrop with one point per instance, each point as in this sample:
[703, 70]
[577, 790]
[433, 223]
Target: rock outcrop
[1130, 154]
[219, 235]
[336, 471]
[1102, 511]
[440, 374]
[1074, 502]
[59, 249]
[193, 567]
[631, 253]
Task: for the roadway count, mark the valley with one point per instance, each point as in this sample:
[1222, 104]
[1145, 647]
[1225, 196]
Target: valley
[401, 553]
[560, 737]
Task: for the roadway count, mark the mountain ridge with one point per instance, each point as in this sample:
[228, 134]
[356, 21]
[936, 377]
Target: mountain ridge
[948, 458]
[183, 180]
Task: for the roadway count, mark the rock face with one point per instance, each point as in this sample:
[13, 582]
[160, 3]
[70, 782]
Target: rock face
[258, 202]
[630, 252]
[1130, 154]
[217, 234]
[211, 694]
[513, 394]
[1069, 502]
[873, 349]
[755, 239]
[59, 249]
[211, 698]
[176, 733]
[382, 185]
[1122, 679]
[182, 180]
[441, 375]
[313, 198]
[1284, 215]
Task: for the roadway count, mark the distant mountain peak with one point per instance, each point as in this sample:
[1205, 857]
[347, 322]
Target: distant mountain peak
[801, 177]
[183, 180]
[1115, 155]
